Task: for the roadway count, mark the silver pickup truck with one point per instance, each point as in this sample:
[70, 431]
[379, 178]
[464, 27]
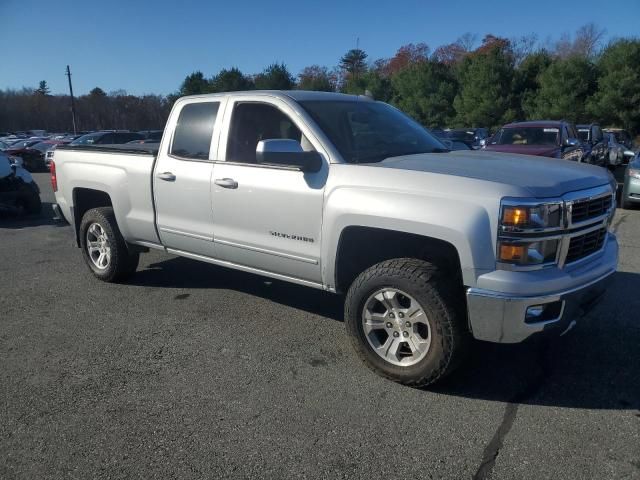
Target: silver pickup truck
[430, 247]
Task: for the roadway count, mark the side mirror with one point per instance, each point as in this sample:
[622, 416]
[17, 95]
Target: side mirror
[571, 142]
[288, 153]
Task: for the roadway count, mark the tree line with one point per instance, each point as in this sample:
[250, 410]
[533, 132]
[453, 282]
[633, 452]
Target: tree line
[471, 82]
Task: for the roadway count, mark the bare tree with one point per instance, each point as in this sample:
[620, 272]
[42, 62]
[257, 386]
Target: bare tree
[523, 46]
[468, 41]
[586, 42]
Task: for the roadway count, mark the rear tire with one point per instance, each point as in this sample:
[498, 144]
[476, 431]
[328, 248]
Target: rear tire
[103, 247]
[406, 285]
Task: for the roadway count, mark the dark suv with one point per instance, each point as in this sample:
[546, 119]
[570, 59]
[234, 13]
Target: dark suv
[470, 136]
[545, 138]
[106, 138]
[596, 145]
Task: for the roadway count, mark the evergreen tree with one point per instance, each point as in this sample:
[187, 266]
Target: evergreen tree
[43, 88]
[275, 77]
[426, 92]
[485, 80]
[232, 80]
[617, 99]
[564, 89]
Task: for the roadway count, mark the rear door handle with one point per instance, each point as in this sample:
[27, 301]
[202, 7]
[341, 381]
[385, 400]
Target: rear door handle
[167, 176]
[226, 182]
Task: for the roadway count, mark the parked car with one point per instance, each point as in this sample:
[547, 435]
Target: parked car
[622, 136]
[471, 136]
[18, 191]
[455, 144]
[151, 136]
[546, 138]
[616, 151]
[106, 138]
[596, 145]
[345, 194]
[630, 196]
[32, 158]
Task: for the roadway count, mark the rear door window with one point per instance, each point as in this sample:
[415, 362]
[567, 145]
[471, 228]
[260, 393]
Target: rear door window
[193, 132]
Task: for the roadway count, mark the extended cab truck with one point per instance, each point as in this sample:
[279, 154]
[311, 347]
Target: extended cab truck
[341, 193]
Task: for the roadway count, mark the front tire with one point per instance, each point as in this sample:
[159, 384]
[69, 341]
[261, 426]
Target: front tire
[103, 247]
[406, 321]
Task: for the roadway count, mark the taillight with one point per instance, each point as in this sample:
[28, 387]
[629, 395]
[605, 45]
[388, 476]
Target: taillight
[54, 179]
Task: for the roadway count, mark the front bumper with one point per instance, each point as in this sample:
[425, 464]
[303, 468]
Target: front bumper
[513, 317]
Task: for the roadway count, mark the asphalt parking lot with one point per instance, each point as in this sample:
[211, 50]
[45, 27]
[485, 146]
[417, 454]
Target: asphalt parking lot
[193, 371]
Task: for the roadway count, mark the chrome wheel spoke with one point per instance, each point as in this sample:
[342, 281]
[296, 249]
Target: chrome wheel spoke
[417, 344]
[389, 349]
[389, 299]
[415, 311]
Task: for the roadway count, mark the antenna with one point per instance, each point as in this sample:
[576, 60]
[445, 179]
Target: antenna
[73, 104]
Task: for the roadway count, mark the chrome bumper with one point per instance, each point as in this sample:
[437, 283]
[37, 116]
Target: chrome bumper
[504, 318]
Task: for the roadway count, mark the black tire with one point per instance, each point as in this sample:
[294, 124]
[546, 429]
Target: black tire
[29, 199]
[123, 263]
[442, 300]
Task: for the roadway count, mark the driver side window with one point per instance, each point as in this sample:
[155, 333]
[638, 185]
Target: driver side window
[252, 122]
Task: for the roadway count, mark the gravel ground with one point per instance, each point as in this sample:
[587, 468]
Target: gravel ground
[190, 371]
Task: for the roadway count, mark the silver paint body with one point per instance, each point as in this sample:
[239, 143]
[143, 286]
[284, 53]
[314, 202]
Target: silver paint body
[257, 226]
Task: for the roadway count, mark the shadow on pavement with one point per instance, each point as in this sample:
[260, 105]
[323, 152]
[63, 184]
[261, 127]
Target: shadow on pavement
[181, 272]
[595, 366]
[45, 217]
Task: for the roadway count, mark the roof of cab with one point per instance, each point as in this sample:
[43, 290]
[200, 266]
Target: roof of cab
[297, 95]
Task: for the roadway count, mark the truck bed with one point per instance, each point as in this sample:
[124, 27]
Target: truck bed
[123, 172]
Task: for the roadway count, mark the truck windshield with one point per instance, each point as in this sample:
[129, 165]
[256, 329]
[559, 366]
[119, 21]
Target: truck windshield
[365, 132]
[527, 136]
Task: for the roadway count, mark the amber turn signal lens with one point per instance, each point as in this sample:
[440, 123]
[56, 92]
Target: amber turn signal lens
[512, 253]
[514, 216]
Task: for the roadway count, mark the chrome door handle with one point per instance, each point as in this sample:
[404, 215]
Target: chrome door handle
[226, 182]
[167, 176]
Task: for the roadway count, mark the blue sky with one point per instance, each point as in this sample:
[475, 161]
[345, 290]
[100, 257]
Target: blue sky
[149, 47]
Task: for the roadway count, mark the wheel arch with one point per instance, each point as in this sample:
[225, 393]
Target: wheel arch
[85, 199]
[360, 247]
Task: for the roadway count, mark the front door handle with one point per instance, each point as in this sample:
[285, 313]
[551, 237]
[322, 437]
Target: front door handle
[167, 176]
[226, 182]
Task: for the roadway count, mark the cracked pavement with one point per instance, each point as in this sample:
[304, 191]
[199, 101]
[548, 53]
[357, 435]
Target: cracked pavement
[190, 371]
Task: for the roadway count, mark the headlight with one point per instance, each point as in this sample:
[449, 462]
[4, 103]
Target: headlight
[527, 253]
[529, 232]
[634, 172]
[519, 218]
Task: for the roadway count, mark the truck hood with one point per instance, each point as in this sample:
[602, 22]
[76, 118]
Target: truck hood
[540, 176]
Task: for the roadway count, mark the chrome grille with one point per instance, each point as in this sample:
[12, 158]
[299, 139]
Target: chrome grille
[583, 210]
[584, 245]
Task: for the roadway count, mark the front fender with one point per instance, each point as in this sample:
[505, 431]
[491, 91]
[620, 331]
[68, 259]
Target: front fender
[464, 224]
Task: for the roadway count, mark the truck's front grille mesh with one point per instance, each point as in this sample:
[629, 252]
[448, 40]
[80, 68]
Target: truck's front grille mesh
[584, 245]
[583, 210]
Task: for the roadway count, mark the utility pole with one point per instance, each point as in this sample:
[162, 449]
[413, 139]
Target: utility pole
[73, 103]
